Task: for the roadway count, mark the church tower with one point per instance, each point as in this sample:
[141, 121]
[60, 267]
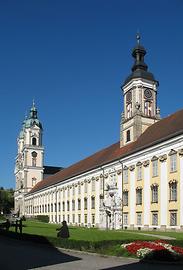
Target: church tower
[29, 160]
[139, 99]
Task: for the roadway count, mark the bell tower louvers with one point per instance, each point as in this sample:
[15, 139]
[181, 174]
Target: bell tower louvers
[29, 160]
[139, 99]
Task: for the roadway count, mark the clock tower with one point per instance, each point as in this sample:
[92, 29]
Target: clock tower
[139, 98]
[29, 160]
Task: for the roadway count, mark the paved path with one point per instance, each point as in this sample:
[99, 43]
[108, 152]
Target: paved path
[157, 236]
[21, 255]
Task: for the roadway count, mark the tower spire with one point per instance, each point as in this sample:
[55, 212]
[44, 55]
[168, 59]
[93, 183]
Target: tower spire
[138, 37]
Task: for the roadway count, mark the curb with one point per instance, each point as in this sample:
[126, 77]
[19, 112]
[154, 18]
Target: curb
[97, 254]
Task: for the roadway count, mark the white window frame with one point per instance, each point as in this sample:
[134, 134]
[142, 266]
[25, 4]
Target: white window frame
[173, 218]
[125, 176]
[155, 168]
[173, 163]
[154, 218]
[139, 172]
[154, 194]
[125, 218]
[139, 218]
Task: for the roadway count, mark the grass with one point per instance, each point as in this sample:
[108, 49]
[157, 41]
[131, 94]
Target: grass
[93, 240]
[80, 233]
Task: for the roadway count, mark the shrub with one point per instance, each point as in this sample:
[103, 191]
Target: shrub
[43, 218]
[2, 217]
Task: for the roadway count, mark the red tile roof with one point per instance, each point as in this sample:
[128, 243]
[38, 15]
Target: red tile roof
[162, 130]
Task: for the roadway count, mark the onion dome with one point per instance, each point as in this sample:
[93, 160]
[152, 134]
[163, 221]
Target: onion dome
[33, 118]
[139, 68]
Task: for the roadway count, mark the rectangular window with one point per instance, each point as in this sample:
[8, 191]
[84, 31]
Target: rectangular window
[79, 218]
[93, 185]
[85, 203]
[128, 136]
[101, 201]
[173, 163]
[139, 196]
[125, 198]
[93, 219]
[73, 218]
[68, 219]
[139, 218]
[155, 168]
[93, 202]
[79, 189]
[63, 217]
[155, 218]
[73, 205]
[85, 218]
[125, 176]
[63, 206]
[79, 204]
[139, 172]
[173, 218]
[154, 193]
[68, 206]
[125, 218]
[101, 183]
[59, 206]
[173, 191]
[85, 187]
[73, 190]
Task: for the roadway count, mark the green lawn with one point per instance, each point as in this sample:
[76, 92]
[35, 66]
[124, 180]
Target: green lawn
[80, 233]
[93, 240]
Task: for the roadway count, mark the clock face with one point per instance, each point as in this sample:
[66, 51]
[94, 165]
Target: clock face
[129, 97]
[34, 154]
[147, 93]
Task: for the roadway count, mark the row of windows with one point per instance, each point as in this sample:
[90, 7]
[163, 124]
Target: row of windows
[72, 219]
[154, 194]
[44, 208]
[79, 188]
[154, 217]
[147, 109]
[173, 168]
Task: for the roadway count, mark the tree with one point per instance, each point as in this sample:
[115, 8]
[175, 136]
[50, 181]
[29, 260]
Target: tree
[6, 200]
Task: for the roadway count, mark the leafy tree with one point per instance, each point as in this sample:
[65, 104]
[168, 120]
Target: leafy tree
[6, 200]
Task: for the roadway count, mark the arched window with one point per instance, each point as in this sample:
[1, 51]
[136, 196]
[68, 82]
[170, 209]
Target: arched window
[34, 141]
[148, 108]
[34, 158]
[129, 110]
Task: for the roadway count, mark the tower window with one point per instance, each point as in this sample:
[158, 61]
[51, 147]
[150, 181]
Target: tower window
[128, 135]
[148, 108]
[34, 159]
[33, 181]
[129, 110]
[34, 141]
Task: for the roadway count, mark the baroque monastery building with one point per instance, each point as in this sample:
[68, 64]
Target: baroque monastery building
[134, 183]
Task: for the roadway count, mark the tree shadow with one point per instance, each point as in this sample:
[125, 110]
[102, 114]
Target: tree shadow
[21, 255]
[145, 266]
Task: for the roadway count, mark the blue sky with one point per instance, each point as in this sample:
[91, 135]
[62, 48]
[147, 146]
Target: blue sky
[72, 57]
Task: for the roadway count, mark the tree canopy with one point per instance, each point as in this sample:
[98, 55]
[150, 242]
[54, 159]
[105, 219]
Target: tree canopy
[6, 200]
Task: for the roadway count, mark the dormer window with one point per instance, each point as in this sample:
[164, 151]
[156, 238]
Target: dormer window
[34, 141]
